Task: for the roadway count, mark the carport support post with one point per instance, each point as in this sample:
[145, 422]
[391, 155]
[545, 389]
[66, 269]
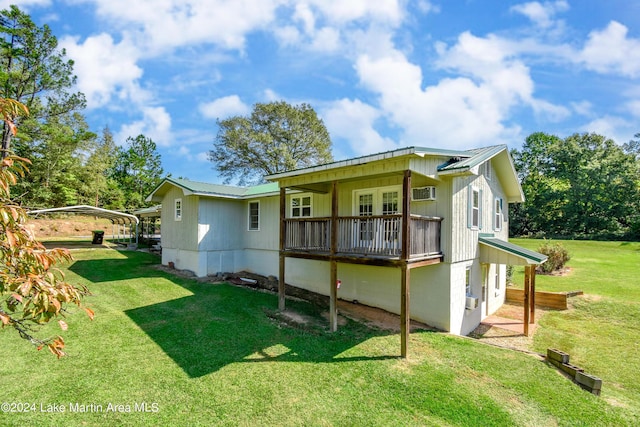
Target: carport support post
[283, 225]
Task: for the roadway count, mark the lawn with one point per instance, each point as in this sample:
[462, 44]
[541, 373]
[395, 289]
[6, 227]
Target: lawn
[165, 350]
[601, 331]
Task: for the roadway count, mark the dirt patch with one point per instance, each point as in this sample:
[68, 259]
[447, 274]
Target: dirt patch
[71, 226]
[559, 273]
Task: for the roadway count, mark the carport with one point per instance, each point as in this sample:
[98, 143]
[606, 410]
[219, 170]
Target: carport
[124, 226]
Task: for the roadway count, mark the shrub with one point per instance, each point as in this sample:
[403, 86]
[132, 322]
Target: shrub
[510, 269]
[557, 257]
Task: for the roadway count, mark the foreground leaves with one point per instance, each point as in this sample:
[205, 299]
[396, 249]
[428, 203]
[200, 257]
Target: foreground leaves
[33, 291]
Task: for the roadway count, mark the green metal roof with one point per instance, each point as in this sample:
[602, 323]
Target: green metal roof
[478, 156]
[420, 151]
[530, 256]
[214, 190]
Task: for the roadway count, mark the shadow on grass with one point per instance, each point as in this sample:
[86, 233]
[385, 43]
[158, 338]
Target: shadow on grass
[135, 265]
[221, 324]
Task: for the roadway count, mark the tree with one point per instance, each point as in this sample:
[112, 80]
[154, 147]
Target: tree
[98, 187]
[276, 137]
[57, 154]
[138, 170]
[583, 185]
[32, 291]
[34, 72]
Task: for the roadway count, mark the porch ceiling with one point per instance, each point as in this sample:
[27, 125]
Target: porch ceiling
[497, 251]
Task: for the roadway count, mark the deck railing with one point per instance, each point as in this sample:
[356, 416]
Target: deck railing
[377, 235]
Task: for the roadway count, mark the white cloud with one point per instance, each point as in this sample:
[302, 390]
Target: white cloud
[155, 124]
[584, 108]
[616, 128]
[354, 121]
[541, 14]
[105, 69]
[224, 107]
[169, 24]
[23, 4]
[473, 107]
[634, 108]
[610, 51]
[203, 157]
[341, 11]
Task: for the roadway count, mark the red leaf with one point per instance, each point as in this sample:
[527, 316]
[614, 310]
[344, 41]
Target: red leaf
[90, 312]
[17, 296]
[63, 325]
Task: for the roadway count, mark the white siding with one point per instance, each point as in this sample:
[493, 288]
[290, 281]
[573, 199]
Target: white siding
[181, 234]
[219, 223]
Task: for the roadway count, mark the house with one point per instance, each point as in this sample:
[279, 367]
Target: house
[417, 231]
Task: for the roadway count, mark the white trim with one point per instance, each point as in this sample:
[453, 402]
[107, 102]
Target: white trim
[178, 208]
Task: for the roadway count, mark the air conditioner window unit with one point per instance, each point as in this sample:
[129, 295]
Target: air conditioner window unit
[424, 193]
[472, 302]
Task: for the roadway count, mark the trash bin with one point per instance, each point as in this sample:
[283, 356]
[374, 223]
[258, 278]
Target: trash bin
[98, 235]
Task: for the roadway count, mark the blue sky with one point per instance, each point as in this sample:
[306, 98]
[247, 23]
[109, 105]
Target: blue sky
[382, 74]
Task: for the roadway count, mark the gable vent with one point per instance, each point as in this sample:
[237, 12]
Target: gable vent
[424, 193]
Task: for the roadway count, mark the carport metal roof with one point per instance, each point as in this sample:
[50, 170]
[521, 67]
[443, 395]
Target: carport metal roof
[114, 216]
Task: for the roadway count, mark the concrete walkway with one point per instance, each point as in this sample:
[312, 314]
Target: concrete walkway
[512, 325]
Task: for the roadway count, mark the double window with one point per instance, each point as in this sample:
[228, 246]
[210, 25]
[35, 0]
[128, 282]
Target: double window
[300, 206]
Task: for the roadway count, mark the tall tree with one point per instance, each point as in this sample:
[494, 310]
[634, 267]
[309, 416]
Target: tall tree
[57, 155]
[34, 72]
[138, 170]
[276, 137]
[98, 187]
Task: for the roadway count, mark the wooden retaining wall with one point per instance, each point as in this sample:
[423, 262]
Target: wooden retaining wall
[557, 300]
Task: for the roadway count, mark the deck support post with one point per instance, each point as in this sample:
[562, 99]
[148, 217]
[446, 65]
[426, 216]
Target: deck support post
[333, 248]
[405, 319]
[283, 225]
[405, 273]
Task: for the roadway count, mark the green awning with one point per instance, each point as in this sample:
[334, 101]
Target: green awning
[497, 251]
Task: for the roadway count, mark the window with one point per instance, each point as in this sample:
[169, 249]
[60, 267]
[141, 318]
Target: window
[365, 208]
[178, 210]
[389, 203]
[497, 209]
[474, 219]
[300, 206]
[467, 282]
[254, 216]
[486, 170]
[497, 280]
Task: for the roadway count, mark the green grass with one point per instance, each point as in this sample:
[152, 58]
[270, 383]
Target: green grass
[601, 331]
[205, 354]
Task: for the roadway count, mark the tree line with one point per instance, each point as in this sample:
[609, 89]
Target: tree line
[582, 186]
[70, 163]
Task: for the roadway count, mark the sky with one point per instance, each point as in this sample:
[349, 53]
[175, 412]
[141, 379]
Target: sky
[381, 74]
